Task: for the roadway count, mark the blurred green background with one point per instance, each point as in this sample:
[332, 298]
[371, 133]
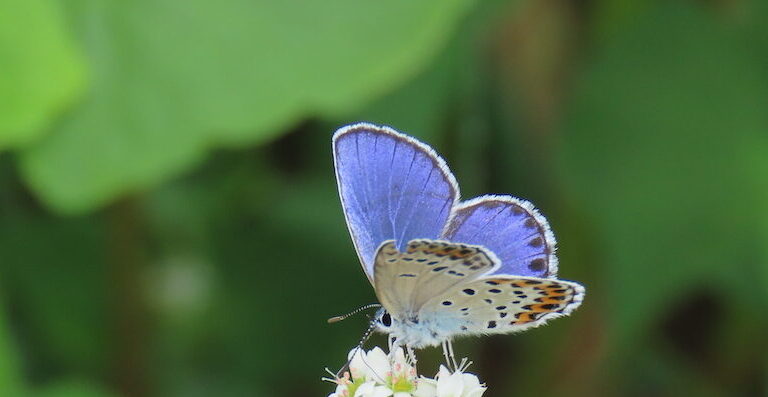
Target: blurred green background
[169, 220]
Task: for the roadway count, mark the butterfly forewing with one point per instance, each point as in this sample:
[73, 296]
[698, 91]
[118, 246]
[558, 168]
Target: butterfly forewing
[405, 281]
[503, 304]
[392, 187]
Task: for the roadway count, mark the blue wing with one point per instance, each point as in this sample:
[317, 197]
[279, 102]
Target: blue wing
[512, 229]
[392, 187]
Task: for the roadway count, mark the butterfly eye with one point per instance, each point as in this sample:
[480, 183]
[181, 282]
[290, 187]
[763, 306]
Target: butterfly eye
[386, 319]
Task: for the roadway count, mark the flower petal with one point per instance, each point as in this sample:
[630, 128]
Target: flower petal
[425, 388]
[357, 367]
[399, 356]
[472, 386]
[365, 390]
[378, 365]
[341, 391]
[450, 386]
[475, 392]
[381, 391]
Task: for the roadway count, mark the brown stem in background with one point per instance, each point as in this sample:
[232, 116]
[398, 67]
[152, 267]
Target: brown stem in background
[535, 52]
[127, 261]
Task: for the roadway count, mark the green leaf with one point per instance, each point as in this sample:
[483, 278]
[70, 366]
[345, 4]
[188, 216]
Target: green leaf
[55, 269]
[40, 71]
[11, 382]
[74, 388]
[173, 79]
[661, 153]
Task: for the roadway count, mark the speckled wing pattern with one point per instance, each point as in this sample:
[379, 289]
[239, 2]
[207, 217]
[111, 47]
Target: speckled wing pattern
[392, 187]
[405, 281]
[504, 304]
[456, 283]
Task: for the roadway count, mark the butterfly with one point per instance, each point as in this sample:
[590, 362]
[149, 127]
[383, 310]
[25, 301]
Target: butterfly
[443, 268]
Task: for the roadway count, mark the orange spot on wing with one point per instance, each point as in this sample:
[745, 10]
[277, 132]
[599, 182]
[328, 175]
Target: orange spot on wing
[548, 300]
[454, 252]
[545, 308]
[524, 318]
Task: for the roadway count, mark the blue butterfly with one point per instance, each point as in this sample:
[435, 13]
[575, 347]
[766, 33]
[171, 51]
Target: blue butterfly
[441, 267]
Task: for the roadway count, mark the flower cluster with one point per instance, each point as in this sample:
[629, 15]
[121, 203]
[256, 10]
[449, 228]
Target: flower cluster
[376, 374]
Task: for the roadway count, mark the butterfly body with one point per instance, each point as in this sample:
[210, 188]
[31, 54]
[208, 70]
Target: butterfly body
[420, 330]
[442, 268]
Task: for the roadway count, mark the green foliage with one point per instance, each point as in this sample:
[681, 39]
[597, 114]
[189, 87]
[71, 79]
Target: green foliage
[41, 71]
[65, 304]
[73, 389]
[10, 376]
[659, 152]
[171, 79]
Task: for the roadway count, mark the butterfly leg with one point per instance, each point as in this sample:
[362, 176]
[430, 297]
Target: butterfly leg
[448, 355]
[411, 356]
[452, 355]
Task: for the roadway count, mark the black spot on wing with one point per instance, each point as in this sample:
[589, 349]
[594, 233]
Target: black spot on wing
[537, 265]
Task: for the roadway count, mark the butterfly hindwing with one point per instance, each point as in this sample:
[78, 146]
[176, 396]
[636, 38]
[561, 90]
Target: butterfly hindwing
[392, 187]
[504, 304]
[510, 227]
[404, 281]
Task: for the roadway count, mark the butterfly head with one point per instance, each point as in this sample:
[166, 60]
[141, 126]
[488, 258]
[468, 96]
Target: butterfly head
[414, 332]
[383, 321]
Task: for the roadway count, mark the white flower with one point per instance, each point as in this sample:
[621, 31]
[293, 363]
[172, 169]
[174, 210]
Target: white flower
[378, 364]
[458, 384]
[373, 365]
[425, 388]
[448, 384]
[370, 389]
[472, 386]
[342, 387]
[376, 374]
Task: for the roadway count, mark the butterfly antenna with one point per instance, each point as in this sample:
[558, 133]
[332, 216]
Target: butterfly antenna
[336, 319]
[366, 335]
